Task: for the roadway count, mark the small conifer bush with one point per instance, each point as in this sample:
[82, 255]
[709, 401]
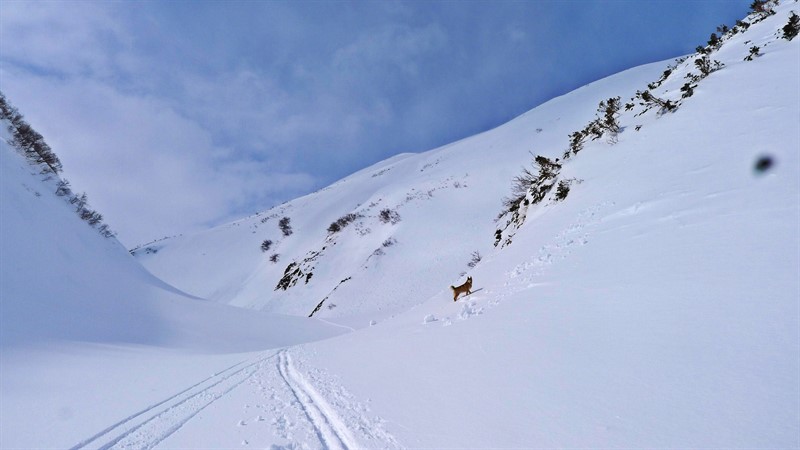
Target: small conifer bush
[389, 216]
[285, 227]
[562, 190]
[754, 52]
[792, 27]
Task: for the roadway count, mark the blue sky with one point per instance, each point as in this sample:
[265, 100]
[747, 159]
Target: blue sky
[176, 116]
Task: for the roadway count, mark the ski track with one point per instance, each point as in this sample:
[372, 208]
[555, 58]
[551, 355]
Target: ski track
[147, 428]
[329, 428]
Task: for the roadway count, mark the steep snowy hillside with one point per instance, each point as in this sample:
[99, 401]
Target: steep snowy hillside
[656, 306]
[445, 200]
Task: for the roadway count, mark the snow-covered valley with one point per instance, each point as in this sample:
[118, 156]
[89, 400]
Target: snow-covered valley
[656, 306]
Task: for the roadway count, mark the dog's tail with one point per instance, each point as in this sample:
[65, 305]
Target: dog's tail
[453, 288]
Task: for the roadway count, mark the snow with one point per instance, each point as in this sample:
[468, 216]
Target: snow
[658, 305]
[80, 318]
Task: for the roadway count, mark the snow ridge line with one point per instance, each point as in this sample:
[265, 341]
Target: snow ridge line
[337, 324]
[175, 402]
[330, 429]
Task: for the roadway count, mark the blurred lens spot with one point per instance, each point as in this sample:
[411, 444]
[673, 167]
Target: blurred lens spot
[764, 164]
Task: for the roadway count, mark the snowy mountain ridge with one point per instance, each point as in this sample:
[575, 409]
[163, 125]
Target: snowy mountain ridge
[655, 306]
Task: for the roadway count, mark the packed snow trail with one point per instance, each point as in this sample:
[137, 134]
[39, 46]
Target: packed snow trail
[308, 408]
[150, 426]
[330, 429]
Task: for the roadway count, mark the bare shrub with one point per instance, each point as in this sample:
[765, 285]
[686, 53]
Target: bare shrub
[342, 222]
[389, 216]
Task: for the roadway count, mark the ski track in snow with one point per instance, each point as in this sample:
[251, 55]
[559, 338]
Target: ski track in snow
[330, 429]
[311, 410]
[150, 426]
[307, 409]
[297, 405]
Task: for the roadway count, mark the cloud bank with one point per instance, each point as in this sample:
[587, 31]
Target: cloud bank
[177, 116]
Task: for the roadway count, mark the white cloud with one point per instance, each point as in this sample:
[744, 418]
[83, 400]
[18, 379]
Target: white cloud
[153, 162]
[177, 115]
[62, 38]
[166, 139]
[516, 35]
[391, 48]
[147, 168]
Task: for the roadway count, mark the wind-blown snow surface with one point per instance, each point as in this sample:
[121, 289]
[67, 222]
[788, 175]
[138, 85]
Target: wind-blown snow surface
[657, 306]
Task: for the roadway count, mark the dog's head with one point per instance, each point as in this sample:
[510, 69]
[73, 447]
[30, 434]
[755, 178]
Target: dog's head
[469, 281]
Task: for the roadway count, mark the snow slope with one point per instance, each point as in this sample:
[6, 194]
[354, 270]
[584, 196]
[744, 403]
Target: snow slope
[447, 200]
[657, 306]
[78, 315]
[61, 281]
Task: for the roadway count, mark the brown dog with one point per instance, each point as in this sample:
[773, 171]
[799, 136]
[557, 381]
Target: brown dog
[466, 287]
